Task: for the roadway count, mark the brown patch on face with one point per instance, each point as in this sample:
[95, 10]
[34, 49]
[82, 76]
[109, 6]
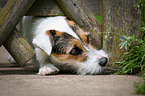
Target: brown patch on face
[72, 51]
[66, 48]
[63, 43]
[68, 57]
[75, 53]
[85, 37]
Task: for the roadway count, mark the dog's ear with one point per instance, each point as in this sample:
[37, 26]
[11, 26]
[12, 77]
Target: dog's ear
[44, 40]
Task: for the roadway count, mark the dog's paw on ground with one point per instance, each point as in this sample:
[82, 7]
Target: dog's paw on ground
[47, 71]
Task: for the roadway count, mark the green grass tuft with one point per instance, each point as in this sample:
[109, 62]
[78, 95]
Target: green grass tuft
[133, 60]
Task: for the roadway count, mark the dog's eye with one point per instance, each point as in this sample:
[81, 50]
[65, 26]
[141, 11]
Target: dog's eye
[75, 51]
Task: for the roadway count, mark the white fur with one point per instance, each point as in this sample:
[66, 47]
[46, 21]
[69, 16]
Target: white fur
[34, 30]
[39, 41]
[90, 66]
[52, 23]
[42, 41]
[48, 69]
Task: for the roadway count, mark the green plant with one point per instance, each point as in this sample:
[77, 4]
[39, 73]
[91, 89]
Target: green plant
[134, 58]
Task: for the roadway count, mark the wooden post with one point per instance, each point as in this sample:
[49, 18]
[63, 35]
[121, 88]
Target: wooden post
[81, 14]
[19, 48]
[10, 15]
[116, 15]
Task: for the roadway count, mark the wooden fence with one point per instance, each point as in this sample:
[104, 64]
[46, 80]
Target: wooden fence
[14, 10]
[116, 14]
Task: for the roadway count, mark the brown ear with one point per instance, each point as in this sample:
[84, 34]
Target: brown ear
[53, 33]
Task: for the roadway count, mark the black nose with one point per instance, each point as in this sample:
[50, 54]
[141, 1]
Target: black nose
[103, 61]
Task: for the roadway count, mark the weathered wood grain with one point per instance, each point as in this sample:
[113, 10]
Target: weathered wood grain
[45, 8]
[49, 7]
[19, 48]
[10, 15]
[80, 13]
[2, 3]
[116, 15]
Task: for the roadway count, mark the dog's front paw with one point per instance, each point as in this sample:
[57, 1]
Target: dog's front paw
[47, 70]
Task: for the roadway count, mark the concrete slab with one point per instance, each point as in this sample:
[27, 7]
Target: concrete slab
[67, 85]
[23, 81]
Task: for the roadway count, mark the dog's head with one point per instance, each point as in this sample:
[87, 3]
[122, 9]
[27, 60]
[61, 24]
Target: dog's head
[63, 48]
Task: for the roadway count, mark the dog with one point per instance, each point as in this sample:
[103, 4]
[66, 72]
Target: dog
[60, 44]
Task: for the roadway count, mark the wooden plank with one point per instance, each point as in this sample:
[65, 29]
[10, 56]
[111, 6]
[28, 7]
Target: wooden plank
[80, 13]
[2, 3]
[116, 15]
[50, 7]
[45, 8]
[10, 15]
[94, 6]
[19, 48]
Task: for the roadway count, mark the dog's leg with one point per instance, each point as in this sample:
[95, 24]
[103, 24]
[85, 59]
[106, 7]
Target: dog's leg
[45, 65]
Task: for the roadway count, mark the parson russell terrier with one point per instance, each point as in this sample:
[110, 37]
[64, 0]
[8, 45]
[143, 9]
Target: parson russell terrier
[60, 44]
